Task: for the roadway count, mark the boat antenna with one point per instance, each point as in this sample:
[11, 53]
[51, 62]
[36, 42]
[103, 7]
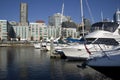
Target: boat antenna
[82, 17]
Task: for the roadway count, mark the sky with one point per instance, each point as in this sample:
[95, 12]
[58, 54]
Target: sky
[42, 9]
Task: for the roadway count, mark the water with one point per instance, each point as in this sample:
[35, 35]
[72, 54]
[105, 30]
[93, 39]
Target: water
[27, 63]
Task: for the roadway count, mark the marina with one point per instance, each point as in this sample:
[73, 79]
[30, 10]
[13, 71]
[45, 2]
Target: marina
[28, 63]
[64, 42]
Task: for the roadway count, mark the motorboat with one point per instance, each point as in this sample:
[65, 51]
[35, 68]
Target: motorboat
[106, 62]
[106, 40]
[39, 45]
[95, 41]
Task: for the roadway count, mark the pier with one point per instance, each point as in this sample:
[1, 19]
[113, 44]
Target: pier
[52, 52]
[15, 44]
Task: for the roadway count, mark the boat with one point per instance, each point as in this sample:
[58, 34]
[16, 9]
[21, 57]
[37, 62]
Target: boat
[106, 62]
[106, 40]
[56, 43]
[39, 45]
[46, 44]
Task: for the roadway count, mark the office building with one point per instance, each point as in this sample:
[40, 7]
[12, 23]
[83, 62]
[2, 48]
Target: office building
[55, 24]
[57, 19]
[23, 14]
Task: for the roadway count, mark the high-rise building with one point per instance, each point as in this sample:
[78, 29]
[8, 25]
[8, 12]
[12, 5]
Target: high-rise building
[55, 22]
[57, 19]
[22, 30]
[117, 16]
[23, 14]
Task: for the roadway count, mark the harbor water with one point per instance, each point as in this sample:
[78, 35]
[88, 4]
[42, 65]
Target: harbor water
[28, 63]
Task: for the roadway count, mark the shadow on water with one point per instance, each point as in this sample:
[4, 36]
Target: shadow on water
[27, 63]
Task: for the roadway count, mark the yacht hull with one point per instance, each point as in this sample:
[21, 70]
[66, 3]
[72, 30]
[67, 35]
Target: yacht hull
[75, 54]
[108, 64]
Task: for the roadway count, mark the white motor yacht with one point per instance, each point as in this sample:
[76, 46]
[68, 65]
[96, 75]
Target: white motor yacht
[95, 41]
[106, 62]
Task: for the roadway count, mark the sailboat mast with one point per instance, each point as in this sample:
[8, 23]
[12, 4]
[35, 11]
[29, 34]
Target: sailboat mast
[62, 12]
[82, 17]
[61, 19]
[102, 16]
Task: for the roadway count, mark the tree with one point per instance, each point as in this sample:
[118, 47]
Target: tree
[69, 24]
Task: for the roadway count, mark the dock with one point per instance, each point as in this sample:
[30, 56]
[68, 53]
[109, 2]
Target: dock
[15, 44]
[52, 52]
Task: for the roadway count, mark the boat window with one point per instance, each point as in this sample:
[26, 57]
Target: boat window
[107, 41]
[90, 40]
[118, 49]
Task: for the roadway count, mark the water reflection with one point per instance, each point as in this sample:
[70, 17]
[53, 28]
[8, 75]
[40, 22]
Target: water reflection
[32, 64]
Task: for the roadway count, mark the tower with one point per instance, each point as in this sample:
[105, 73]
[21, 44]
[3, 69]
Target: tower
[23, 14]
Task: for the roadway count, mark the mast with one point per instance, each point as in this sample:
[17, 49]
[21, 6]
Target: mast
[82, 17]
[62, 12]
[92, 18]
[102, 16]
[61, 18]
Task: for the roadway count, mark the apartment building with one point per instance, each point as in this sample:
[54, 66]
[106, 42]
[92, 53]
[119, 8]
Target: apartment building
[6, 30]
[38, 31]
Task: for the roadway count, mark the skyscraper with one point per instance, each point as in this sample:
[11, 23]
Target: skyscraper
[55, 20]
[23, 14]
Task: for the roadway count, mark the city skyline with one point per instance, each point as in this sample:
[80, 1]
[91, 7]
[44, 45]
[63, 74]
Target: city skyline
[42, 9]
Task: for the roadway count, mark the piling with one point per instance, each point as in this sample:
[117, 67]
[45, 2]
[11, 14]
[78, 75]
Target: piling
[52, 54]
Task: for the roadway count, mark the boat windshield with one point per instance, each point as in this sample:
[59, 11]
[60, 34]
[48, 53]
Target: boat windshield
[107, 41]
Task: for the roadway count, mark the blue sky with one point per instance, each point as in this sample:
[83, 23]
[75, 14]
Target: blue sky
[42, 9]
